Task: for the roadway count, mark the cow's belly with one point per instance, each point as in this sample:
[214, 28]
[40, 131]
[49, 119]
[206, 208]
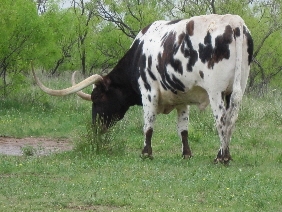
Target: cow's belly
[195, 96]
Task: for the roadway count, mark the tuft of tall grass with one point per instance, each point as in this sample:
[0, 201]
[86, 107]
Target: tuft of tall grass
[95, 140]
[28, 150]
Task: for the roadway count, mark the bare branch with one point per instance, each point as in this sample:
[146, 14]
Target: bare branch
[271, 30]
[271, 75]
[115, 18]
[132, 14]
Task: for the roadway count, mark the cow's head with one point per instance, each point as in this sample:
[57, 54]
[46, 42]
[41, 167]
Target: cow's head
[109, 102]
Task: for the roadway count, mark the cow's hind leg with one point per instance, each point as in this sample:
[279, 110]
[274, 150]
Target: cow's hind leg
[225, 114]
[182, 128]
[232, 110]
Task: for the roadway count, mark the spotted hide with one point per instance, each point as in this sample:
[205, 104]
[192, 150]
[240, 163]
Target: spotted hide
[198, 61]
[171, 65]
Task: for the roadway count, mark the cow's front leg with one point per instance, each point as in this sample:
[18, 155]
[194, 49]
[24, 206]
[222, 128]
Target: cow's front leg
[150, 113]
[147, 151]
[182, 128]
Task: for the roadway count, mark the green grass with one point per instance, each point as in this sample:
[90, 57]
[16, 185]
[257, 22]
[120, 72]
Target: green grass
[118, 180]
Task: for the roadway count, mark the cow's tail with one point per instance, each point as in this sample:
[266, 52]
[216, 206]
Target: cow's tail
[238, 88]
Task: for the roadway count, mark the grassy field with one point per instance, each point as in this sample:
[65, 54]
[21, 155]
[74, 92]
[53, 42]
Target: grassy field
[117, 179]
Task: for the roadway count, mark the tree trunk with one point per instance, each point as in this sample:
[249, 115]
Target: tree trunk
[83, 62]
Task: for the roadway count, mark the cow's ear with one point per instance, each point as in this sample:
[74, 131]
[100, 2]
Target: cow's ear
[106, 82]
[103, 84]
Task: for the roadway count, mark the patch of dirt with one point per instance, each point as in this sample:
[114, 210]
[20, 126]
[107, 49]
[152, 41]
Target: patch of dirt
[39, 146]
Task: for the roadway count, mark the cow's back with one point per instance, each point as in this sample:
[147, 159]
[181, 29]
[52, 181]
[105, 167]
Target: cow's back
[185, 59]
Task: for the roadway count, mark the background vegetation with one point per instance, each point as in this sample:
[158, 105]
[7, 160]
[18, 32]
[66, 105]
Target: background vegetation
[91, 36]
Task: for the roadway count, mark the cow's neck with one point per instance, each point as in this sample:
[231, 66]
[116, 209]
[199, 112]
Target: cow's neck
[122, 76]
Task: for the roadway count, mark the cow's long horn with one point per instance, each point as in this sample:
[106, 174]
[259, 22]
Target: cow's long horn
[88, 81]
[81, 94]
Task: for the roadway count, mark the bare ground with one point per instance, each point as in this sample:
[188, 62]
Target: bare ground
[39, 146]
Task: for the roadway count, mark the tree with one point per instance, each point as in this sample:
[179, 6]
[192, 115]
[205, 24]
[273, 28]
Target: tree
[266, 30]
[190, 8]
[41, 6]
[84, 13]
[20, 33]
[130, 16]
[107, 47]
[59, 26]
[118, 24]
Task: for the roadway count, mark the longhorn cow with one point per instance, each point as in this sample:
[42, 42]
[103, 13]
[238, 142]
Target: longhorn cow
[171, 65]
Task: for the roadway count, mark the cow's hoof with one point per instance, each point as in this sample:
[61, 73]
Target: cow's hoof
[146, 155]
[187, 156]
[224, 160]
[223, 157]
